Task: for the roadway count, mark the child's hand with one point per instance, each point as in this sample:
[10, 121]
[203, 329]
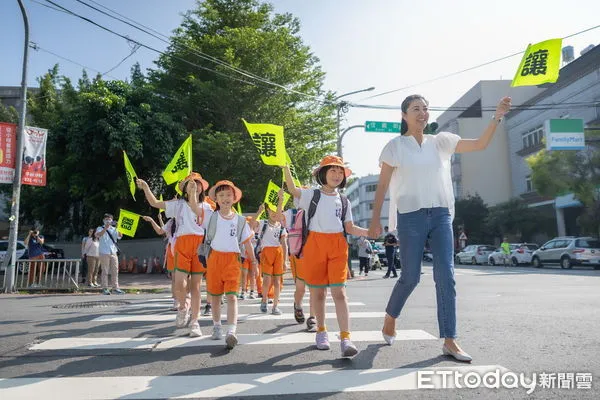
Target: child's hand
[281, 193]
[141, 184]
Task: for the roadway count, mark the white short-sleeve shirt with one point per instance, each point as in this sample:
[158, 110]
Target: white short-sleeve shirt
[328, 217]
[188, 223]
[225, 239]
[272, 236]
[422, 175]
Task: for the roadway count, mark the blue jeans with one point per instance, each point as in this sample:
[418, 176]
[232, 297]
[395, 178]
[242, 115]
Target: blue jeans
[413, 230]
[390, 255]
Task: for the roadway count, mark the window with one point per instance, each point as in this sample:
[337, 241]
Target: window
[370, 206]
[371, 188]
[550, 245]
[529, 184]
[588, 243]
[533, 137]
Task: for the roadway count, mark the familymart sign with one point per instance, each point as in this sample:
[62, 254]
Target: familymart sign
[564, 134]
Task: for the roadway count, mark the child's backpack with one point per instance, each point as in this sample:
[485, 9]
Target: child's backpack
[301, 223]
[209, 235]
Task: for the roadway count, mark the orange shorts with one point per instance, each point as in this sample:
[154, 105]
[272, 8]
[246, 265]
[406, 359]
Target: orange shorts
[325, 260]
[170, 258]
[271, 261]
[223, 275]
[296, 267]
[186, 255]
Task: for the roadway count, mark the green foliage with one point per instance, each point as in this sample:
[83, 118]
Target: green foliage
[470, 214]
[88, 129]
[8, 114]
[557, 173]
[517, 221]
[246, 34]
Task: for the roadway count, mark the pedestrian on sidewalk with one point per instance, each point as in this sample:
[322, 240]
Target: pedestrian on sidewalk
[390, 242]
[34, 243]
[91, 254]
[108, 251]
[416, 167]
[364, 253]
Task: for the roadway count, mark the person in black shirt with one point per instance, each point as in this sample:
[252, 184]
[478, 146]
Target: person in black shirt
[390, 242]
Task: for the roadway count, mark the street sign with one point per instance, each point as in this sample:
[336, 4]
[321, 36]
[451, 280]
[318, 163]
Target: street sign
[381, 126]
[564, 134]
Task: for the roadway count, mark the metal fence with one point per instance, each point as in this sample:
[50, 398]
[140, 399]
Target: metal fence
[46, 274]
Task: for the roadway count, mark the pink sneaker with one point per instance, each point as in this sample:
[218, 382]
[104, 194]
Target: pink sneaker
[322, 340]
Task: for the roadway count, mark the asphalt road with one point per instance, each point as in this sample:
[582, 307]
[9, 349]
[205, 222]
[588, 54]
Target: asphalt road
[513, 321]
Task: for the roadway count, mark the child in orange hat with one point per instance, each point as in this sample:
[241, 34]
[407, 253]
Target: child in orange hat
[228, 236]
[325, 251]
[188, 212]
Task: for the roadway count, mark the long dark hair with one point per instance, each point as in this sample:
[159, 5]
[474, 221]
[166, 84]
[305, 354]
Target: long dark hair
[404, 107]
[322, 176]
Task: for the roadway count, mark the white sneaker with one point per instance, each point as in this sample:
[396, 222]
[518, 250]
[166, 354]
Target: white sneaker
[195, 329]
[231, 340]
[242, 296]
[183, 318]
[217, 332]
[252, 296]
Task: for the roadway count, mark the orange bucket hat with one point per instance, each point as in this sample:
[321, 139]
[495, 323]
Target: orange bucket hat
[196, 177]
[333, 161]
[237, 193]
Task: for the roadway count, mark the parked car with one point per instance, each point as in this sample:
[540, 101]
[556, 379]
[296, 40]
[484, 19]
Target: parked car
[21, 251]
[568, 251]
[523, 254]
[375, 259]
[520, 253]
[383, 258]
[474, 254]
[497, 257]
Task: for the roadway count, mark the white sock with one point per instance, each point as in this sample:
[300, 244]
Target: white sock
[232, 328]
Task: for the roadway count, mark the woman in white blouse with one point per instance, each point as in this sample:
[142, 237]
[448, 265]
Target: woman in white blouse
[416, 167]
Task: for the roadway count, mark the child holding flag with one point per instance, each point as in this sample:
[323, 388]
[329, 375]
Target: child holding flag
[272, 247]
[227, 236]
[188, 212]
[325, 252]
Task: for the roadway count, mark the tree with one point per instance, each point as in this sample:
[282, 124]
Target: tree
[470, 214]
[248, 35]
[8, 114]
[89, 127]
[514, 219]
[556, 173]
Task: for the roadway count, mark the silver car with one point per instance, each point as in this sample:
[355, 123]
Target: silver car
[474, 254]
[568, 251]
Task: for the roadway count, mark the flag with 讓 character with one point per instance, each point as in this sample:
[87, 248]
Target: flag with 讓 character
[130, 173]
[128, 222]
[181, 164]
[540, 64]
[272, 196]
[269, 141]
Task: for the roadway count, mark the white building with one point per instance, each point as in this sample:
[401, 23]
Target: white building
[575, 95]
[361, 194]
[486, 173]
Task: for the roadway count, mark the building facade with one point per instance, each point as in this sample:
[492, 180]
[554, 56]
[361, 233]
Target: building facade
[484, 173]
[361, 194]
[575, 95]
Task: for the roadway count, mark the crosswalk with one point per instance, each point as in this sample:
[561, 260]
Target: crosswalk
[271, 382]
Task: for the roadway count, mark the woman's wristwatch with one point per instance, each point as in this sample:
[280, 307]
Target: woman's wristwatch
[497, 120]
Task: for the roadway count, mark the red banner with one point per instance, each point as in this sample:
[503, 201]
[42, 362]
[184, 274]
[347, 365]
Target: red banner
[34, 156]
[8, 151]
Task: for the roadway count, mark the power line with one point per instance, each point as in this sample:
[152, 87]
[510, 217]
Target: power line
[466, 69]
[164, 38]
[199, 54]
[133, 50]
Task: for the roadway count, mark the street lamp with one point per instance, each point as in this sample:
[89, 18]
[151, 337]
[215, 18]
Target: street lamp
[343, 106]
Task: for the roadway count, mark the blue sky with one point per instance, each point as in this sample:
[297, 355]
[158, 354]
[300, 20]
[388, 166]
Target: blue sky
[388, 44]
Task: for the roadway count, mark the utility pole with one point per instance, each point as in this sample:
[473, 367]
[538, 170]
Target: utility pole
[11, 252]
